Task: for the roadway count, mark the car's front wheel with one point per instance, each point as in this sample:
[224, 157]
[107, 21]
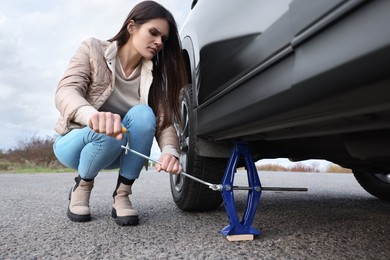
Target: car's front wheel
[377, 184]
[187, 193]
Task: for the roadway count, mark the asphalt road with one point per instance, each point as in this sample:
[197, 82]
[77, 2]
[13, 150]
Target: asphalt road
[335, 219]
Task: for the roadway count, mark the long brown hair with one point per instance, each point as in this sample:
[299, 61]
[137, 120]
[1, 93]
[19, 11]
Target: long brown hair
[169, 73]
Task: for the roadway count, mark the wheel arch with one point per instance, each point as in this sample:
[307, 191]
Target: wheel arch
[203, 146]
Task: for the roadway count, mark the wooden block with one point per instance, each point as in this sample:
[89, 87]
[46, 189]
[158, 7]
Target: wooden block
[245, 237]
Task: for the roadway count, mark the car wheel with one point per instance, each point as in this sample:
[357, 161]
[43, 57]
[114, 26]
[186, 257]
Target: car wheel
[377, 184]
[188, 194]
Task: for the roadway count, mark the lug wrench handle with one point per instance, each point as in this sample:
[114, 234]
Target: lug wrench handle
[214, 187]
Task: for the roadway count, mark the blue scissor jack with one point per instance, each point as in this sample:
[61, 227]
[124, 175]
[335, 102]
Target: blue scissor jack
[237, 227]
[243, 230]
[236, 230]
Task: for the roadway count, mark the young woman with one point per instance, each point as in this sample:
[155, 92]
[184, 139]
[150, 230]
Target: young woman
[132, 80]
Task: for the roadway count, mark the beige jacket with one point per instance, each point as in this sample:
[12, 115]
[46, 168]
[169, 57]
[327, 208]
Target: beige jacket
[89, 81]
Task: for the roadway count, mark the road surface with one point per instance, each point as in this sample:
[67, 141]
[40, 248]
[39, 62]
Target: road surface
[335, 219]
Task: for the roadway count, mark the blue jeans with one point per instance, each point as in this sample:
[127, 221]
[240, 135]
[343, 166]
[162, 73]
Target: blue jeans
[90, 152]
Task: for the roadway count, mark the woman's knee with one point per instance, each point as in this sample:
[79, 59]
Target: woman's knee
[69, 148]
[142, 116]
[65, 154]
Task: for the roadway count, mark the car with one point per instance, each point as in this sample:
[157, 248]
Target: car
[302, 79]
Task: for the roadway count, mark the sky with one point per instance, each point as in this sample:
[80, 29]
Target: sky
[37, 40]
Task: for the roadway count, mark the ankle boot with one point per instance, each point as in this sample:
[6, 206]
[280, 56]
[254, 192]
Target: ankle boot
[122, 211]
[79, 195]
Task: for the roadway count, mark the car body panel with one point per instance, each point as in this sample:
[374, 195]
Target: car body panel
[304, 14]
[204, 15]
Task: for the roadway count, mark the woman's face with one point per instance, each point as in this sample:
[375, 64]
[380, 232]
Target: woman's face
[148, 38]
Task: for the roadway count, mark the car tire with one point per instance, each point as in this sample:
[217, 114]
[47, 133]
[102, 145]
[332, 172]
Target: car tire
[188, 194]
[377, 184]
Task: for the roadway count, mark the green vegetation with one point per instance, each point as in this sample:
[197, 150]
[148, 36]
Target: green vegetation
[33, 155]
[334, 168]
[300, 167]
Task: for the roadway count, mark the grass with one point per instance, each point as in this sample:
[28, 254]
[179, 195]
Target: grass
[18, 168]
[300, 167]
[38, 170]
[334, 168]
[8, 166]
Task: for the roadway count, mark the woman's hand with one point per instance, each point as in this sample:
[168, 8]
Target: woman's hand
[169, 163]
[107, 123]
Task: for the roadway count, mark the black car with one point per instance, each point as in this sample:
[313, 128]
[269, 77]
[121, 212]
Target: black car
[302, 79]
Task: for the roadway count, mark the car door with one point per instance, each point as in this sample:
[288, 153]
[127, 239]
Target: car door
[228, 82]
[248, 78]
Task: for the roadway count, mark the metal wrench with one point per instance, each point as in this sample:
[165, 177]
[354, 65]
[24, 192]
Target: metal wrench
[214, 187]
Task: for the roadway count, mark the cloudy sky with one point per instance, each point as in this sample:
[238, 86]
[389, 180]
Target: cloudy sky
[37, 40]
